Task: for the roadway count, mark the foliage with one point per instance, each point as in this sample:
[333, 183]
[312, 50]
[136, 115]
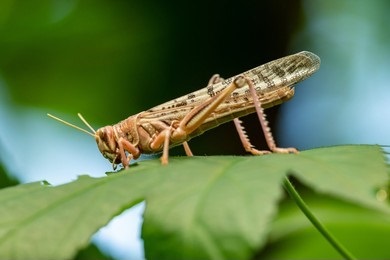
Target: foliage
[200, 207]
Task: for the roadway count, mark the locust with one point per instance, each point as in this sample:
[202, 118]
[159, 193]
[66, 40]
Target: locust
[222, 100]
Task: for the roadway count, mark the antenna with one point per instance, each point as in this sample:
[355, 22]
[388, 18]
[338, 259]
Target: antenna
[74, 126]
[86, 123]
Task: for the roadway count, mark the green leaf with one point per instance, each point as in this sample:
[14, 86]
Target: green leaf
[354, 173]
[91, 252]
[43, 222]
[211, 207]
[358, 229]
[199, 207]
[221, 210]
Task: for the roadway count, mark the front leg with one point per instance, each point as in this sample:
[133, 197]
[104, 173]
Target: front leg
[125, 145]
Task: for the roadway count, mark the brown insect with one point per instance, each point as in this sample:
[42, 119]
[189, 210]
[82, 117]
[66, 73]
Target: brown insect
[177, 121]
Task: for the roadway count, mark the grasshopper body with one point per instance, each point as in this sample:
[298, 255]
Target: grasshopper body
[177, 121]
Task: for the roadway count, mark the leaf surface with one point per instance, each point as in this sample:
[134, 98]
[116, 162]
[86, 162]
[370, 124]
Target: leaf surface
[200, 207]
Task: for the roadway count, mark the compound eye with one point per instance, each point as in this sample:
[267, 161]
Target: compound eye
[103, 137]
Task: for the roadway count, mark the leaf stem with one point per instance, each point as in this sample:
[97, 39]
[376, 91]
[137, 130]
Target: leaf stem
[315, 221]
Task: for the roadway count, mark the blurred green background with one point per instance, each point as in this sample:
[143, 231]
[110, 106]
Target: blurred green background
[112, 59]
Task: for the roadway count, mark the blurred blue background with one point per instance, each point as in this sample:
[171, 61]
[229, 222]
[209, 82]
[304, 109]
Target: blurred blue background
[112, 59]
